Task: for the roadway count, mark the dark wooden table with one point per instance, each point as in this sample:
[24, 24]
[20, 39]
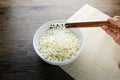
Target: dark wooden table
[19, 19]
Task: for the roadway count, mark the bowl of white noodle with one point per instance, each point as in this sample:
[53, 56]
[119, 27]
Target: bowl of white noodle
[58, 45]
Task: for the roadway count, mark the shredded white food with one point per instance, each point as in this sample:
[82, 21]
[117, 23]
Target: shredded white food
[58, 44]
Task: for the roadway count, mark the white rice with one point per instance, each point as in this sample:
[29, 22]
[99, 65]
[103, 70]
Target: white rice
[58, 44]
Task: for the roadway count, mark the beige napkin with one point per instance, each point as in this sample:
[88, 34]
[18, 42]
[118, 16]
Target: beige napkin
[101, 55]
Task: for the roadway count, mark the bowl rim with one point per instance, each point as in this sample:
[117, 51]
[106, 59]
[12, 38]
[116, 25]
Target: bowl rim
[58, 63]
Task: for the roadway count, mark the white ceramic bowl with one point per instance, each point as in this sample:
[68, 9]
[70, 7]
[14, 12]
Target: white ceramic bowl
[45, 27]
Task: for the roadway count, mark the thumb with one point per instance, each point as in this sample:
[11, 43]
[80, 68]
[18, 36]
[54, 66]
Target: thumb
[117, 20]
[112, 21]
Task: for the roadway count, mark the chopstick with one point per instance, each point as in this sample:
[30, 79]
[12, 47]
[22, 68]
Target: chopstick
[87, 24]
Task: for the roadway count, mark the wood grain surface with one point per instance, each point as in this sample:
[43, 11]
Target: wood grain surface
[18, 60]
[19, 19]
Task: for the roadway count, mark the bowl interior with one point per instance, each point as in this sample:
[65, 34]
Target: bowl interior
[45, 27]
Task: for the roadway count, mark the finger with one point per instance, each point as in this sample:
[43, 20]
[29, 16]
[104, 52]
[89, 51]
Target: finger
[117, 35]
[117, 20]
[104, 27]
[117, 38]
[116, 17]
[118, 41]
[112, 21]
[113, 29]
[112, 34]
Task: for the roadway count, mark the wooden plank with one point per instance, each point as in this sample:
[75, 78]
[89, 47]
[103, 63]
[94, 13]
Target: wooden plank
[101, 55]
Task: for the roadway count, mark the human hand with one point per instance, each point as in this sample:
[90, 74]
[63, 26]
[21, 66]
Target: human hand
[114, 30]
